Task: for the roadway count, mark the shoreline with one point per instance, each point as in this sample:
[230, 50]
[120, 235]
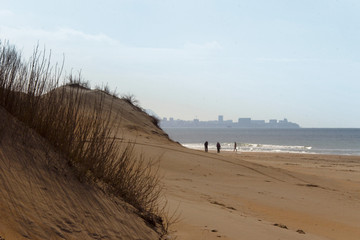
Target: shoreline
[318, 141]
[272, 152]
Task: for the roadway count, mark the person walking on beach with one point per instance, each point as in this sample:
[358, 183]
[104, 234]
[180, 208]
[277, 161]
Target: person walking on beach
[206, 146]
[218, 147]
[235, 147]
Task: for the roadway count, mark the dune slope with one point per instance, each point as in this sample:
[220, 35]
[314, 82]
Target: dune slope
[40, 197]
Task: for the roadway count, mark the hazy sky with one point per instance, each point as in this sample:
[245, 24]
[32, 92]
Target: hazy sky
[264, 59]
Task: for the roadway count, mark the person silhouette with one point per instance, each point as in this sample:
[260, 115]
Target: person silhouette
[235, 147]
[218, 147]
[206, 146]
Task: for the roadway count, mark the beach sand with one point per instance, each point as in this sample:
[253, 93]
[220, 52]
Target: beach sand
[259, 195]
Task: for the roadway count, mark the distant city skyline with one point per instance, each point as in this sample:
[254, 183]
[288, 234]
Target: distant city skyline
[195, 59]
[219, 118]
[221, 122]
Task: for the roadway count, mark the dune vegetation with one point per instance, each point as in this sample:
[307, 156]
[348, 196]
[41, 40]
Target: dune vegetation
[82, 129]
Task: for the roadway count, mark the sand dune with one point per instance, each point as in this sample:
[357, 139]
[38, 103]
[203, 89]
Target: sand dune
[42, 199]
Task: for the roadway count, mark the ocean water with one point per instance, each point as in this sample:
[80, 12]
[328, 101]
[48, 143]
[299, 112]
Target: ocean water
[339, 141]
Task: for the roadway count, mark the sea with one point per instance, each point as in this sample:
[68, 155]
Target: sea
[335, 141]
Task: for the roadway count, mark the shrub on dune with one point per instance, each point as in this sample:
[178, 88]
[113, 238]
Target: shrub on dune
[77, 126]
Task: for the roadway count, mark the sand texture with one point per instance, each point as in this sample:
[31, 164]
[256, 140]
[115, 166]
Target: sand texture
[259, 195]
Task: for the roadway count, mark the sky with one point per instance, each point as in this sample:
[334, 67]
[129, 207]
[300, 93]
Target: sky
[187, 59]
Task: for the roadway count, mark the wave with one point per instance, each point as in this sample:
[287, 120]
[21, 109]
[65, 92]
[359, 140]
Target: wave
[252, 147]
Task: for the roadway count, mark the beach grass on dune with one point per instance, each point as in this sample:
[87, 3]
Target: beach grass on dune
[55, 106]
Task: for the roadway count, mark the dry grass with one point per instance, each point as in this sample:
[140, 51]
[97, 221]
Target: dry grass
[131, 99]
[79, 129]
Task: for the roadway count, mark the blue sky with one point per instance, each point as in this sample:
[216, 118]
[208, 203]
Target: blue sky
[264, 59]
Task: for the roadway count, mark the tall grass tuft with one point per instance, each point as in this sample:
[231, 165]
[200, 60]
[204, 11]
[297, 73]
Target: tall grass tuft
[78, 126]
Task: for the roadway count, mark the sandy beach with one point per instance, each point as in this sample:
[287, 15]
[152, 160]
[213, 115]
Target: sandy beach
[259, 195]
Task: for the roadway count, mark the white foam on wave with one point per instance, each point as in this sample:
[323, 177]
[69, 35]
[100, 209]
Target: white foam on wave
[252, 147]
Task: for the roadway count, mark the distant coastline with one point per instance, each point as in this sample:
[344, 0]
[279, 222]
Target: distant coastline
[221, 123]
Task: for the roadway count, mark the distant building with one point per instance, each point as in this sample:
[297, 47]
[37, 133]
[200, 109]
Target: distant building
[220, 118]
[244, 122]
[283, 121]
[258, 122]
[273, 121]
[228, 123]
